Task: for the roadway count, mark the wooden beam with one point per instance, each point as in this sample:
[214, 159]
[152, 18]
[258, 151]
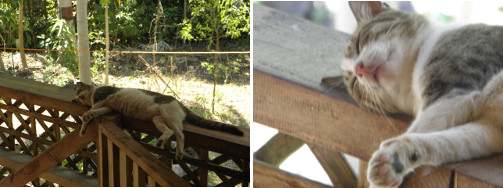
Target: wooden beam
[58, 174]
[487, 169]
[318, 118]
[267, 176]
[141, 156]
[277, 149]
[335, 166]
[50, 157]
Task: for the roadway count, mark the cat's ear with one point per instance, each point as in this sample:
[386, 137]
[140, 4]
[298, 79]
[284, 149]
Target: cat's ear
[365, 10]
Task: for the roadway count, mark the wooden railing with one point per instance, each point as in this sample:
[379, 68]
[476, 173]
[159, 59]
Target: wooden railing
[38, 122]
[290, 57]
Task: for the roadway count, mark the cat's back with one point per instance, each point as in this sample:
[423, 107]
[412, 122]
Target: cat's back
[463, 60]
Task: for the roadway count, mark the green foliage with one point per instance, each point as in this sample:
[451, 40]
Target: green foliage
[8, 21]
[228, 18]
[60, 37]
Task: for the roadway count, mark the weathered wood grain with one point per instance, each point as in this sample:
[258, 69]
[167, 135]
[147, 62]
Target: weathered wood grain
[267, 176]
[318, 118]
[277, 149]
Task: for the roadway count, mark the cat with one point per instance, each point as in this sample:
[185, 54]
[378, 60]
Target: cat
[164, 111]
[448, 77]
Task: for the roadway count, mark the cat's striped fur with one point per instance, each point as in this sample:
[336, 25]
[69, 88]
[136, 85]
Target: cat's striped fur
[449, 78]
[164, 111]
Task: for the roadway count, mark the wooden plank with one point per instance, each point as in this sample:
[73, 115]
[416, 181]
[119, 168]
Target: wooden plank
[50, 157]
[58, 174]
[158, 170]
[362, 175]
[218, 141]
[335, 166]
[277, 149]
[46, 95]
[463, 181]
[203, 172]
[113, 165]
[125, 170]
[102, 159]
[487, 169]
[138, 176]
[295, 49]
[267, 176]
[151, 182]
[318, 118]
[438, 177]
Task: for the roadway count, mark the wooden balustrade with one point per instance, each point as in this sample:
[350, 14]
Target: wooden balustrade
[38, 121]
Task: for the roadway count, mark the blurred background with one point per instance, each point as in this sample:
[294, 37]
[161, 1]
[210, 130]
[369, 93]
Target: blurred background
[338, 15]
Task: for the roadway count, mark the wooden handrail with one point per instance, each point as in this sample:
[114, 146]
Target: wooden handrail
[159, 171]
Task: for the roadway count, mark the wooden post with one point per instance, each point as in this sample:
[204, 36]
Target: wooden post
[278, 148]
[335, 166]
[20, 33]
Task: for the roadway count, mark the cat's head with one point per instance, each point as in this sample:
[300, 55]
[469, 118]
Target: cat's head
[374, 61]
[84, 94]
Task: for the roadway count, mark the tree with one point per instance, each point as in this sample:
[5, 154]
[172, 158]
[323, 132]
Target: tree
[219, 18]
[20, 33]
[83, 43]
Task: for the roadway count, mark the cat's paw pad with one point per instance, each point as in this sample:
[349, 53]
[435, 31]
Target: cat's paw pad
[392, 162]
[385, 171]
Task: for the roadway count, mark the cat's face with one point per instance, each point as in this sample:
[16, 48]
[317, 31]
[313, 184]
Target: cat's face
[374, 57]
[84, 94]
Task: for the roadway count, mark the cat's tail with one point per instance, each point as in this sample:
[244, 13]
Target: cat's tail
[199, 121]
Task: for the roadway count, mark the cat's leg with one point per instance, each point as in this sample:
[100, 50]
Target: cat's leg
[97, 110]
[448, 113]
[163, 128]
[173, 115]
[399, 156]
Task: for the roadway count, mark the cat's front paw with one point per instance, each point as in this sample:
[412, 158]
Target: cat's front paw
[395, 158]
[88, 116]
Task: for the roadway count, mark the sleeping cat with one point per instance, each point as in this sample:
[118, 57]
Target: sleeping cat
[165, 112]
[449, 78]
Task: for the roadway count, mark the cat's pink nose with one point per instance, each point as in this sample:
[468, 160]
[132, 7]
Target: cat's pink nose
[360, 70]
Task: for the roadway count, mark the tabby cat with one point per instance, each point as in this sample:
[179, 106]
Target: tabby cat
[449, 77]
[164, 111]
